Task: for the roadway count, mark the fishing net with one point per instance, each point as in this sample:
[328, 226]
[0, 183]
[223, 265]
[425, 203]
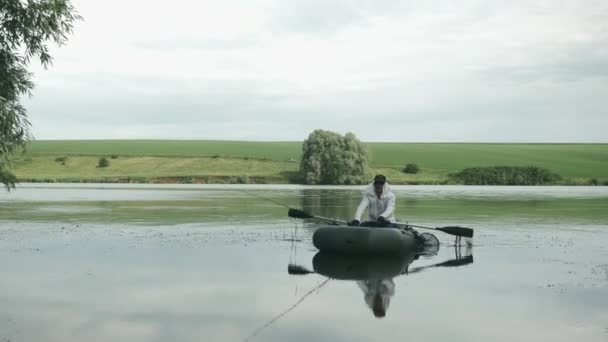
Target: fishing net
[431, 243]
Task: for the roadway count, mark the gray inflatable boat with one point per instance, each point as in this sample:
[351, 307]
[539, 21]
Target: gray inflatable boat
[369, 240]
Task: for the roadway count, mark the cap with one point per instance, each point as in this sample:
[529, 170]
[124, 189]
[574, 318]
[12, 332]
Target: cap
[379, 179]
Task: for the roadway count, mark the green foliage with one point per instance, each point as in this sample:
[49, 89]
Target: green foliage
[594, 181]
[411, 168]
[114, 156]
[25, 29]
[506, 175]
[243, 179]
[103, 162]
[8, 179]
[329, 158]
[61, 160]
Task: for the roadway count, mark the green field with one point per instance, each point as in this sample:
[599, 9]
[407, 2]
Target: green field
[184, 148]
[277, 162]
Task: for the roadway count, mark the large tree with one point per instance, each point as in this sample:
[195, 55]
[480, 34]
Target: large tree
[330, 158]
[26, 28]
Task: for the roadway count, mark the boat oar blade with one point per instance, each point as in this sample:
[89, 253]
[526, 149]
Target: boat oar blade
[296, 213]
[298, 270]
[458, 231]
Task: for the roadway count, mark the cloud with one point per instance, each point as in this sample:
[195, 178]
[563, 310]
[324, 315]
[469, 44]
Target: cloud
[195, 44]
[271, 69]
[316, 16]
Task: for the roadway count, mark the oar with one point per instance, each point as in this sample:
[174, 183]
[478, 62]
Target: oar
[450, 263]
[452, 230]
[295, 269]
[301, 214]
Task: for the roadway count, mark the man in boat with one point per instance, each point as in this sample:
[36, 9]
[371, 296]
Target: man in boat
[379, 200]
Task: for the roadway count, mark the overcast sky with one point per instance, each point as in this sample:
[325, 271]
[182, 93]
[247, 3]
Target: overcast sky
[495, 71]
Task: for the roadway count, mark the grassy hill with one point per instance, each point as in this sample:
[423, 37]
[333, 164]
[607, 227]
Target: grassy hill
[277, 162]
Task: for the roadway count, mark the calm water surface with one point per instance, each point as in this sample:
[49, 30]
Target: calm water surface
[209, 263]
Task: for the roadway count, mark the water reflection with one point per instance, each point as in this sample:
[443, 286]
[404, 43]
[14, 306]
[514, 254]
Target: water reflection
[374, 274]
[330, 203]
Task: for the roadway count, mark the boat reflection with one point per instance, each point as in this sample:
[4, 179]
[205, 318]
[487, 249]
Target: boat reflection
[374, 274]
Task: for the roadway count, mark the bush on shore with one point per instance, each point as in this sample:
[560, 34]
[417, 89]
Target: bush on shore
[103, 162]
[411, 168]
[506, 175]
[330, 158]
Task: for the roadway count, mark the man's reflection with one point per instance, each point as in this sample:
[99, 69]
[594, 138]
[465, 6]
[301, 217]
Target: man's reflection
[378, 294]
[378, 291]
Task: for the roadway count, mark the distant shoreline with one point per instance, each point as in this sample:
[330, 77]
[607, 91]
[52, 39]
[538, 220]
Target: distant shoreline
[234, 180]
[92, 181]
[238, 162]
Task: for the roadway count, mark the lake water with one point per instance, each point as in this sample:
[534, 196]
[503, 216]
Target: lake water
[101, 262]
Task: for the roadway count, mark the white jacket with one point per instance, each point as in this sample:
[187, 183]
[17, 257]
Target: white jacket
[383, 206]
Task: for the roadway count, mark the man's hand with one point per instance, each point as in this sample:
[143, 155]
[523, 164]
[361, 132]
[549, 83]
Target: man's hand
[354, 223]
[382, 221]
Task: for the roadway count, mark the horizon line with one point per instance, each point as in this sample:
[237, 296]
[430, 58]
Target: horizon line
[378, 142]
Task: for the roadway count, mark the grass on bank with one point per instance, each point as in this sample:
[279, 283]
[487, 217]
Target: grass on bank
[567, 160]
[182, 170]
[199, 161]
[153, 169]
[197, 170]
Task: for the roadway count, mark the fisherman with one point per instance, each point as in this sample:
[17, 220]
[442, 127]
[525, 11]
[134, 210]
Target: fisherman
[380, 202]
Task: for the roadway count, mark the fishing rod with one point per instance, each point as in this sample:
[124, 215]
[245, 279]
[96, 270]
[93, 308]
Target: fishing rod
[266, 198]
[292, 268]
[292, 211]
